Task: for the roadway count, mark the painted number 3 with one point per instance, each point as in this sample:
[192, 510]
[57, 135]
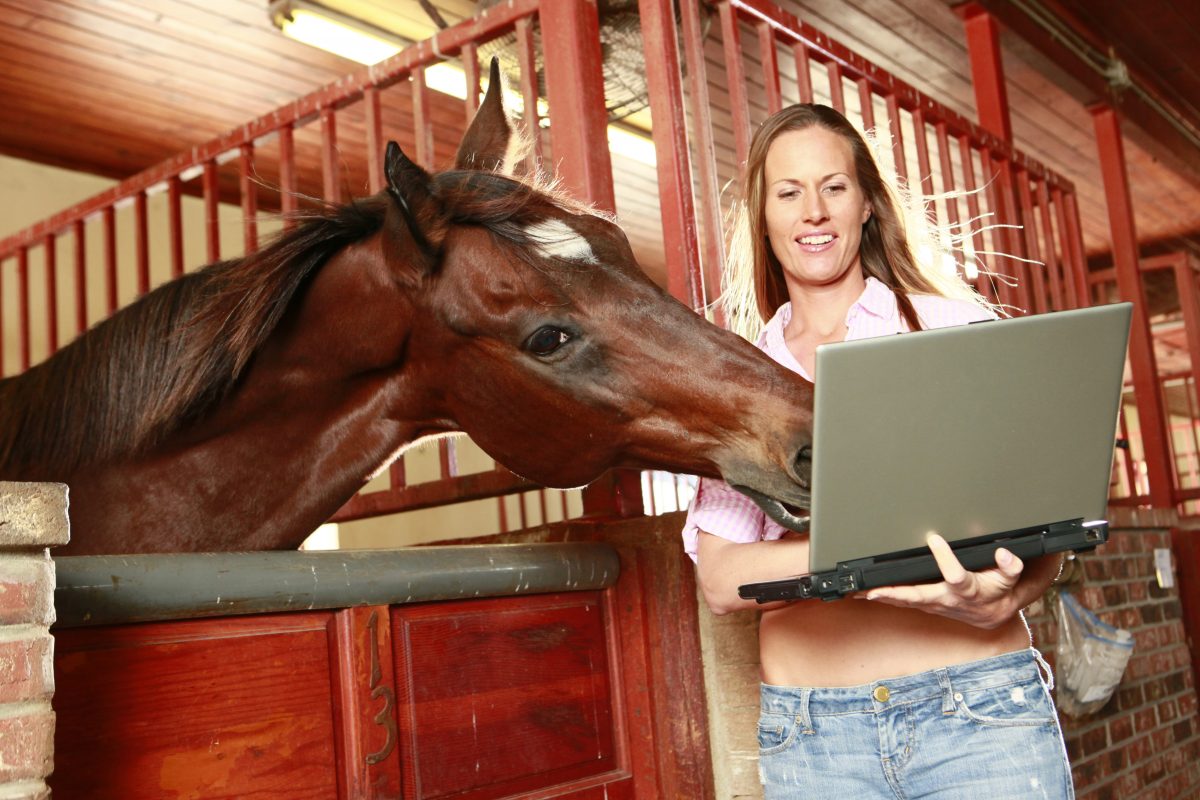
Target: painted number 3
[386, 716]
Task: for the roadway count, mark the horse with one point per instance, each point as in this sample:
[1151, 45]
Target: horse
[239, 406]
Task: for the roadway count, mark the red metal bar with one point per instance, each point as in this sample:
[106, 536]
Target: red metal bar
[866, 104]
[710, 222]
[331, 187]
[80, 236]
[1036, 271]
[1053, 266]
[445, 459]
[212, 221]
[49, 247]
[109, 218]
[944, 159]
[1075, 297]
[1151, 419]
[1004, 292]
[1189, 303]
[141, 233]
[987, 69]
[735, 79]
[893, 109]
[1005, 181]
[501, 507]
[23, 305]
[1076, 231]
[803, 73]
[249, 191]
[397, 478]
[470, 62]
[575, 91]
[175, 224]
[983, 283]
[769, 60]
[837, 96]
[375, 140]
[287, 174]
[685, 279]
[527, 59]
[541, 495]
[422, 122]
[923, 165]
[524, 515]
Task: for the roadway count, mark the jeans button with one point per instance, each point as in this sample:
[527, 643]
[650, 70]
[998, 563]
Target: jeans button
[882, 693]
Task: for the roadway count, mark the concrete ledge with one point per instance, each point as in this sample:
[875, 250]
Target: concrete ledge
[33, 515]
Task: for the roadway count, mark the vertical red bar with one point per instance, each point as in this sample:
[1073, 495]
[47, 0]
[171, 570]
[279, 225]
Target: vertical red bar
[1038, 270]
[23, 305]
[331, 187]
[866, 104]
[685, 280]
[1189, 302]
[470, 62]
[769, 58]
[446, 458]
[1151, 420]
[1049, 249]
[923, 164]
[983, 284]
[287, 175]
[1076, 233]
[542, 504]
[947, 165]
[987, 69]
[1006, 181]
[502, 510]
[375, 142]
[527, 59]
[575, 91]
[1005, 293]
[524, 515]
[735, 73]
[249, 189]
[648, 492]
[893, 109]
[141, 231]
[711, 223]
[175, 224]
[212, 221]
[837, 96]
[803, 73]
[422, 122]
[80, 236]
[397, 478]
[109, 218]
[1075, 298]
[49, 246]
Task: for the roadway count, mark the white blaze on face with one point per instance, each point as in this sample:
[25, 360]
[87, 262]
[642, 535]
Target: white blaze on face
[556, 239]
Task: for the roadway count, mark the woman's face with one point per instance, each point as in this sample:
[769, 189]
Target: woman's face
[814, 207]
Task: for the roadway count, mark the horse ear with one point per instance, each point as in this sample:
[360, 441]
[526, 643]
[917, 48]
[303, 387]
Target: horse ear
[411, 189]
[485, 144]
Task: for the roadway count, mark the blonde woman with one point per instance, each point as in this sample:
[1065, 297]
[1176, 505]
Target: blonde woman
[917, 691]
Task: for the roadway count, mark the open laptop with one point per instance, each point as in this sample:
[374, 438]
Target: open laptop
[998, 433]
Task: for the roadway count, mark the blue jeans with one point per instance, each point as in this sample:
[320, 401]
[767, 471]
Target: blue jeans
[982, 730]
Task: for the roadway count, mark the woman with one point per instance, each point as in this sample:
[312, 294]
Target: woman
[917, 691]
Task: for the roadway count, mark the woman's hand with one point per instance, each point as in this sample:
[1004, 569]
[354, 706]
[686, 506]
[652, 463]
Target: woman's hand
[985, 599]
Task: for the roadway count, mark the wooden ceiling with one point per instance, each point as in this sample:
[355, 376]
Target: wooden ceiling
[111, 87]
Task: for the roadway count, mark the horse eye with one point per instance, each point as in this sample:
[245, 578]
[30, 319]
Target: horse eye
[545, 341]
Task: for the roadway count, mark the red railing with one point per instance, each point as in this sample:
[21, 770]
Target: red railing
[702, 119]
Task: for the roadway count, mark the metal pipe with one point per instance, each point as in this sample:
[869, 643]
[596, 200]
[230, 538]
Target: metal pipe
[105, 590]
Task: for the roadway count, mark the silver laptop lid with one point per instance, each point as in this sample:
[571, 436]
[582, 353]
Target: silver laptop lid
[964, 431]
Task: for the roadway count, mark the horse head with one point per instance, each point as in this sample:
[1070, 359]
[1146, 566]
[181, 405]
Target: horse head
[535, 331]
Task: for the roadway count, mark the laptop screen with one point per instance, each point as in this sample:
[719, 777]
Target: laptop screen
[967, 431]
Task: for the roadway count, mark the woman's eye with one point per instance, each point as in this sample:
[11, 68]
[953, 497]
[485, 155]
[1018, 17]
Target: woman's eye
[788, 194]
[835, 188]
[545, 341]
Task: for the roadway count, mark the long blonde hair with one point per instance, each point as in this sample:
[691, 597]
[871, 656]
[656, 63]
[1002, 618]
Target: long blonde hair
[753, 285]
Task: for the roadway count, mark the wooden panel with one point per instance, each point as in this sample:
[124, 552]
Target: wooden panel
[227, 708]
[504, 696]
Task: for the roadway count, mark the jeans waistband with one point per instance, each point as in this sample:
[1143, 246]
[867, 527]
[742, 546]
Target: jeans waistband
[1014, 667]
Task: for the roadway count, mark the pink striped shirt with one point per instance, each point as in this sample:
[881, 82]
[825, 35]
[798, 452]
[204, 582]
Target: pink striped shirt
[721, 511]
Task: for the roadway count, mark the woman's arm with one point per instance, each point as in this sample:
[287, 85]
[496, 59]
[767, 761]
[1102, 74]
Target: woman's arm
[723, 565]
[985, 599]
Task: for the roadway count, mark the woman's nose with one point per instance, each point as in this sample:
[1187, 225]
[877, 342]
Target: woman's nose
[814, 209]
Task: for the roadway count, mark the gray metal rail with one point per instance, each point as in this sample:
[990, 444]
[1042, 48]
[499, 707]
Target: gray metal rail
[104, 590]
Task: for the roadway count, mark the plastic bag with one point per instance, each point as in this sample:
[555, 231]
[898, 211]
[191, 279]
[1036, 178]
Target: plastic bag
[1091, 658]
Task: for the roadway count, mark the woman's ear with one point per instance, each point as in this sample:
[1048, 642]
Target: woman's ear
[866, 213]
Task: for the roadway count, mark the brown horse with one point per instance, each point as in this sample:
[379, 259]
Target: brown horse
[238, 407]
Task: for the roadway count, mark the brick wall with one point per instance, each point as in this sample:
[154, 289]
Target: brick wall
[32, 518]
[1145, 743]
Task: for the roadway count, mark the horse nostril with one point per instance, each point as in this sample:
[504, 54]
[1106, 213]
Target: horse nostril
[802, 466]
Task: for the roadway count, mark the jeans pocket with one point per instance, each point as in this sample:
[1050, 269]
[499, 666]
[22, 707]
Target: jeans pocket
[776, 732]
[1023, 704]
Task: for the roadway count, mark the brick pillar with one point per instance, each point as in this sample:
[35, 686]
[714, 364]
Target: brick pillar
[33, 517]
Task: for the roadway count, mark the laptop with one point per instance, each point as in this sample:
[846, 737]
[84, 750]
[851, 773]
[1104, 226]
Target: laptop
[1000, 433]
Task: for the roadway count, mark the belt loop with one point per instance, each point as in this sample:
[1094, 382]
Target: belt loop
[802, 716]
[1045, 668]
[943, 677]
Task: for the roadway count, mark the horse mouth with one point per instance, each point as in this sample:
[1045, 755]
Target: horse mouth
[788, 516]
